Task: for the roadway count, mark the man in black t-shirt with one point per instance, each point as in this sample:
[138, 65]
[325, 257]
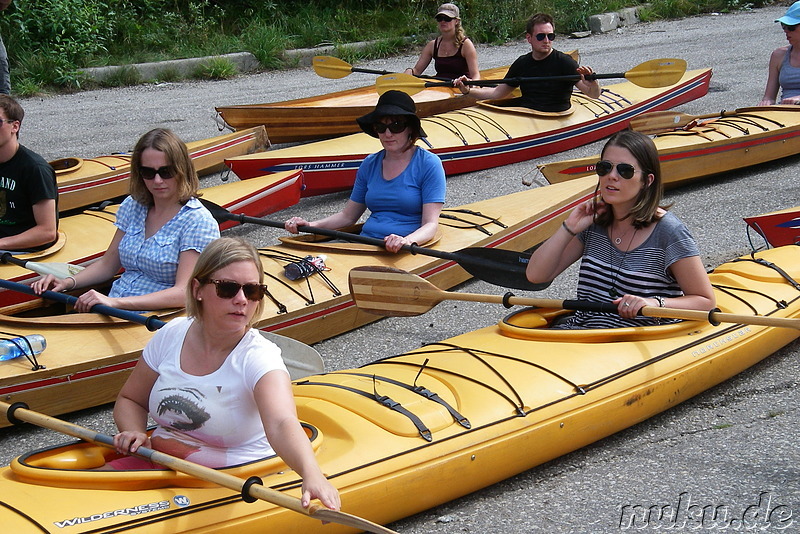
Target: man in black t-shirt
[541, 95]
[28, 189]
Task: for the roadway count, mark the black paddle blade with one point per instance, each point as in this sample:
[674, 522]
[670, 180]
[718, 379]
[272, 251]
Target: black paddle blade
[504, 268]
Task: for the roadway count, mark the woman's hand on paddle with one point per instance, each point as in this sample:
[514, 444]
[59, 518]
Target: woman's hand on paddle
[86, 301]
[459, 84]
[292, 224]
[52, 283]
[394, 242]
[129, 441]
[318, 487]
[628, 306]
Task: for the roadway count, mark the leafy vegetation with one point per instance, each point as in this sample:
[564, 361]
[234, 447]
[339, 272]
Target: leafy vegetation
[49, 41]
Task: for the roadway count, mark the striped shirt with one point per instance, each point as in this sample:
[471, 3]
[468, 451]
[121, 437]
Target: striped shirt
[607, 273]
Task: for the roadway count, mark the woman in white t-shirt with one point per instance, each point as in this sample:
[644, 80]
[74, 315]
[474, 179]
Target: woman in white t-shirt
[218, 391]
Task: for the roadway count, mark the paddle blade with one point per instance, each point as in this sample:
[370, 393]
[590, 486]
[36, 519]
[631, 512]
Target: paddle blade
[300, 359]
[391, 292]
[331, 67]
[57, 269]
[657, 72]
[500, 267]
[407, 83]
[657, 122]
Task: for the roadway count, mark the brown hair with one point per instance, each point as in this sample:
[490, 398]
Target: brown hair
[12, 109]
[539, 18]
[177, 154]
[219, 254]
[648, 200]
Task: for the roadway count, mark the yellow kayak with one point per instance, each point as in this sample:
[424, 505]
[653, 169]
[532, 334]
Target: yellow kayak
[411, 431]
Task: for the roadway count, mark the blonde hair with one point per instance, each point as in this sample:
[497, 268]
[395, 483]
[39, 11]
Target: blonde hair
[219, 254]
[164, 140]
[460, 36]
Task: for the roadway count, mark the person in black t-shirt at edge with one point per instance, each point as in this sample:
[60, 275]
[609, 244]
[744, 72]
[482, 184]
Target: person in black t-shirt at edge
[544, 60]
[28, 189]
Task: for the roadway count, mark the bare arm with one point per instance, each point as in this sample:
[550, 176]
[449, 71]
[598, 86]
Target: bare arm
[423, 234]
[273, 395]
[482, 93]
[471, 55]
[349, 215]
[131, 409]
[562, 249]
[773, 74]
[424, 60]
[45, 231]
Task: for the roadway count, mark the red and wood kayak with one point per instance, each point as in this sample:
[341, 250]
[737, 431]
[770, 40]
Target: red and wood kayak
[715, 145]
[411, 431]
[89, 356]
[482, 136]
[86, 182]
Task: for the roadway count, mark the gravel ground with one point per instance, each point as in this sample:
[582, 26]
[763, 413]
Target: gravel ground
[731, 446]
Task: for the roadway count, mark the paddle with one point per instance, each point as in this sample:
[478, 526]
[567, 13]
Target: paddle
[391, 292]
[57, 269]
[152, 322]
[250, 489]
[653, 73]
[335, 68]
[499, 267]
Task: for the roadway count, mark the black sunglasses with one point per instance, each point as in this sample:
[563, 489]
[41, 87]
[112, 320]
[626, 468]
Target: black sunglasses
[394, 127]
[166, 172]
[443, 18]
[541, 36]
[789, 28]
[626, 170]
[227, 289]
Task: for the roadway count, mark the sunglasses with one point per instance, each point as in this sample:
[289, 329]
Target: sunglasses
[394, 127]
[541, 36]
[227, 289]
[443, 18]
[626, 170]
[789, 28]
[166, 172]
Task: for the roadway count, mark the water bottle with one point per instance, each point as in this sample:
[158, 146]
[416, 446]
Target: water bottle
[16, 347]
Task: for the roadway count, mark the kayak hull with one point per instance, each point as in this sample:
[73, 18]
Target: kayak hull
[529, 396]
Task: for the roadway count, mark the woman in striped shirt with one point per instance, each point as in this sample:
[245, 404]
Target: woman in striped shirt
[633, 252]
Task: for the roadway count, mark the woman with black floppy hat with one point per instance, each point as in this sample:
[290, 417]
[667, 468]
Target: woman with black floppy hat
[453, 53]
[402, 185]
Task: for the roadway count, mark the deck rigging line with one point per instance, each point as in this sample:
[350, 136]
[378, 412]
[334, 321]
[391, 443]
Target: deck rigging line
[24, 346]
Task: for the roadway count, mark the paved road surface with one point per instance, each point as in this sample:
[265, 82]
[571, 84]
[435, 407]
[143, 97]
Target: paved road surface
[733, 446]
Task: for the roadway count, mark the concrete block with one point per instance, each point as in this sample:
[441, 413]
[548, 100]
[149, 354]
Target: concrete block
[604, 22]
[244, 61]
[628, 16]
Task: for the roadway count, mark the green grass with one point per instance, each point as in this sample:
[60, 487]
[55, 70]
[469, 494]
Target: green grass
[50, 40]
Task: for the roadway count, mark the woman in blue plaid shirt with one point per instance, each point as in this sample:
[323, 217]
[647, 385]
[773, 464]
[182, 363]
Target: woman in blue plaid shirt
[161, 229]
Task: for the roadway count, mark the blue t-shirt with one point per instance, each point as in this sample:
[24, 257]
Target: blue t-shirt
[396, 205]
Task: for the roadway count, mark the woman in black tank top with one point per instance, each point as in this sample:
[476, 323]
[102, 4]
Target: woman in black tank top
[453, 53]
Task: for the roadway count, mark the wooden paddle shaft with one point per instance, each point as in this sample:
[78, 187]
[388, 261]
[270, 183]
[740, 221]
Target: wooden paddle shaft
[17, 412]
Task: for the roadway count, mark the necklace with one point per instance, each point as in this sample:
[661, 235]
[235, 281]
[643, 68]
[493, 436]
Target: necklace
[612, 292]
[618, 240]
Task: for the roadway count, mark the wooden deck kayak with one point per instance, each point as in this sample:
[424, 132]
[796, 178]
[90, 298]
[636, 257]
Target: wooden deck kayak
[778, 228]
[87, 234]
[748, 136]
[86, 182]
[86, 364]
[473, 410]
[481, 136]
[334, 114]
